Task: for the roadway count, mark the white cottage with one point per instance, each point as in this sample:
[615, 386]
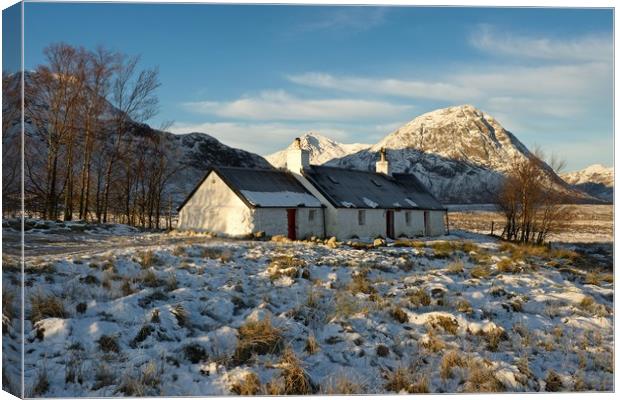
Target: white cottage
[239, 201]
[309, 200]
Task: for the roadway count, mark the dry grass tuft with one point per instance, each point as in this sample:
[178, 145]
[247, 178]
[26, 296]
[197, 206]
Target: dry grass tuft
[217, 253]
[448, 324]
[480, 271]
[360, 284]
[41, 383]
[147, 259]
[150, 279]
[8, 307]
[456, 267]
[181, 314]
[284, 266]
[258, 337]
[553, 382]
[494, 337]
[432, 343]
[108, 344]
[296, 379]
[312, 345]
[481, 379]
[449, 361]
[342, 385]
[403, 380]
[507, 266]
[464, 306]
[46, 306]
[399, 315]
[420, 298]
[248, 386]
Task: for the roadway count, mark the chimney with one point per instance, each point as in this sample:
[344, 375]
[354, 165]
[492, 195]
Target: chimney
[382, 166]
[297, 158]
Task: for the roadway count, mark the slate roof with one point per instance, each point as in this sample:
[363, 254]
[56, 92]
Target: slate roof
[346, 188]
[262, 187]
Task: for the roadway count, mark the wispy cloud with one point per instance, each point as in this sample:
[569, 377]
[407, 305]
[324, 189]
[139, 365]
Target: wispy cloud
[587, 48]
[436, 90]
[280, 105]
[347, 19]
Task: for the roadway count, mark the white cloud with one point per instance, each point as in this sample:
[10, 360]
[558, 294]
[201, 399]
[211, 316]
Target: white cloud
[387, 86]
[279, 105]
[586, 48]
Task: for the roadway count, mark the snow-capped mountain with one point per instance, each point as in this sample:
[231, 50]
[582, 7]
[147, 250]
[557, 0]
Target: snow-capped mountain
[322, 149]
[460, 153]
[596, 180]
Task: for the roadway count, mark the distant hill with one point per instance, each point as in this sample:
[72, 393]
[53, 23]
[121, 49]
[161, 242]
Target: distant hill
[596, 180]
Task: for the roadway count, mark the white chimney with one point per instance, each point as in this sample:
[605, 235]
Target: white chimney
[297, 158]
[382, 166]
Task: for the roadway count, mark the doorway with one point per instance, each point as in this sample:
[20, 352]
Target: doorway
[291, 217]
[427, 224]
[389, 224]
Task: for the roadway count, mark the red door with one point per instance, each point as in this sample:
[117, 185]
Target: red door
[389, 224]
[291, 214]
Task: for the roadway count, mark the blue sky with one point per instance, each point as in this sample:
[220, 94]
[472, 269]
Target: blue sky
[257, 76]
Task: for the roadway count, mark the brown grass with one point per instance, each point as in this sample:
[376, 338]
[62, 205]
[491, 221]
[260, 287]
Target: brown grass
[481, 379]
[46, 306]
[257, 337]
[433, 343]
[296, 379]
[248, 386]
[108, 344]
[399, 315]
[147, 259]
[284, 266]
[480, 271]
[402, 379]
[419, 298]
[553, 382]
[456, 267]
[342, 385]
[494, 337]
[464, 306]
[312, 345]
[449, 361]
[8, 306]
[181, 314]
[360, 284]
[448, 324]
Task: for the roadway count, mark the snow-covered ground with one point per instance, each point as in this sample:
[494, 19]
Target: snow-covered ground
[207, 316]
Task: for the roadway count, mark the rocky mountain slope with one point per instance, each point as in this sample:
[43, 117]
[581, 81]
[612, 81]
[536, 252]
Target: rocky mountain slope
[460, 153]
[322, 149]
[596, 180]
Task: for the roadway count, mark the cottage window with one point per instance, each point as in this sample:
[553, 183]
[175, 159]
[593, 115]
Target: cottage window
[408, 218]
[361, 217]
[311, 215]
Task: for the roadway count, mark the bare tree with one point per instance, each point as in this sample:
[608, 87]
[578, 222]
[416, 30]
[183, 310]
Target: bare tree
[533, 208]
[133, 96]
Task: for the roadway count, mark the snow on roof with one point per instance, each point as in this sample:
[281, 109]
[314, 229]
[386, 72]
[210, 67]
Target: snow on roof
[280, 199]
[365, 189]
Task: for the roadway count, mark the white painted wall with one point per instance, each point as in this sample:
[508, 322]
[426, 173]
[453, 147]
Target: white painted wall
[437, 222]
[274, 221]
[214, 207]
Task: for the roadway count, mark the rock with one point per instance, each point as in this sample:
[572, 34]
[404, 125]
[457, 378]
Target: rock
[259, 235]
[258, 314]
[382, 350]
[280, 238]
[379, 242]
[332, 242]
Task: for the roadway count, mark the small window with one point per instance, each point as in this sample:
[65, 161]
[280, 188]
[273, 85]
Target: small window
[361, 217]
[311, 215]
[408, 218]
